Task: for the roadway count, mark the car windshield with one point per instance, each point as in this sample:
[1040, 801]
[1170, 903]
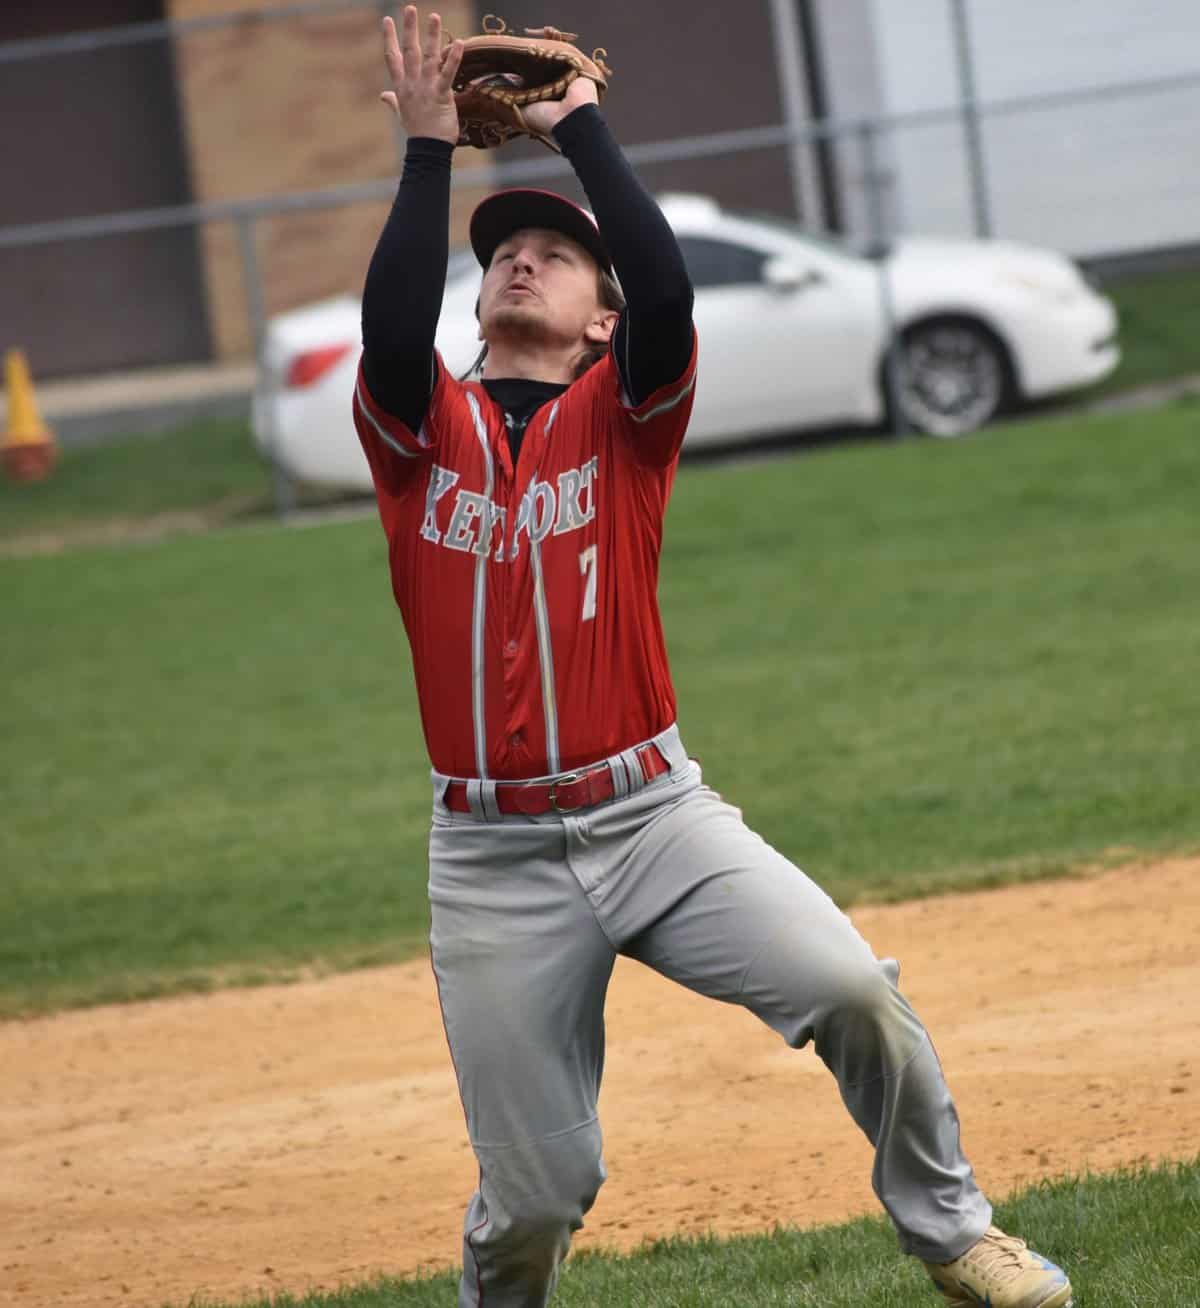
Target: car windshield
[839, 245]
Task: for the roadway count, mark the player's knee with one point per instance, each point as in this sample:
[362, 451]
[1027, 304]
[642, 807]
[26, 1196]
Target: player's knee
[546, 1189]
[867, 1025]
[849, 982]
[558, 1205]
[864, 989]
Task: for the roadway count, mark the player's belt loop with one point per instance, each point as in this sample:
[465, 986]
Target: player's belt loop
[627, 773]
[491, 805]
[670, 747]
[481, 799]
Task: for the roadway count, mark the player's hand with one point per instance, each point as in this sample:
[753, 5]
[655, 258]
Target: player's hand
[546, 113]
[422, 74]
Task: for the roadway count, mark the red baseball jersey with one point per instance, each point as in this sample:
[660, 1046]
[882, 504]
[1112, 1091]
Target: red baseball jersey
[529, 593]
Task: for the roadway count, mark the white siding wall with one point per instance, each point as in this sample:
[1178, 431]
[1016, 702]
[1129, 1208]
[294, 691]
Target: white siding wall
[1105, 176]
[846, 31]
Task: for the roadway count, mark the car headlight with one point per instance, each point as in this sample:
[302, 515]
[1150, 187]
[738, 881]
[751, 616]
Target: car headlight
[1054, 292]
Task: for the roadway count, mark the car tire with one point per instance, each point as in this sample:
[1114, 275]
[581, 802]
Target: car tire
[952, 376]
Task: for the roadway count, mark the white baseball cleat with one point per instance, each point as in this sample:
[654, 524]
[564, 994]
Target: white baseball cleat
[1000, 1271]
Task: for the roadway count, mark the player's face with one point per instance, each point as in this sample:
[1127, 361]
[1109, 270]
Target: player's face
[543, 287]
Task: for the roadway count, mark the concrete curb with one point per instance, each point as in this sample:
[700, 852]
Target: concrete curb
[92, 409]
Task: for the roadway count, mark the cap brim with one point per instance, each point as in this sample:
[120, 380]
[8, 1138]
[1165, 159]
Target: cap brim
[497, 217]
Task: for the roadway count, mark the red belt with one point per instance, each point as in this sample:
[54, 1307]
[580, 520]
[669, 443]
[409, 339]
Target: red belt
[563, 794]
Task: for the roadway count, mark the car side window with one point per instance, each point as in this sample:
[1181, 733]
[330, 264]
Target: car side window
[712, 262]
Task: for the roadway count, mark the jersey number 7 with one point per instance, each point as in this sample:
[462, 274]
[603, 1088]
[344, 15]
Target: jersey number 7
[587, 568]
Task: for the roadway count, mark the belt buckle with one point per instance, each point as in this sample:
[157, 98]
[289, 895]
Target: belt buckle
[568, 779]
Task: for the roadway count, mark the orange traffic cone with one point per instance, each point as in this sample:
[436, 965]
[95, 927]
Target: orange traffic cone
[28, 447]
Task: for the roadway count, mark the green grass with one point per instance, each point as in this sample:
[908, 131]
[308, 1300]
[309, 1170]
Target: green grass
[1128, 1240]
[1159, 328]
[204, 465]
[915, 666]
[921, 667]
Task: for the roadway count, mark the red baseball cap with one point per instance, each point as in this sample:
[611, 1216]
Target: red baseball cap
[496, 218]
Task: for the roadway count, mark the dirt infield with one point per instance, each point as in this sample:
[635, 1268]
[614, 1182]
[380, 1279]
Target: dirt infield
[303, 1136]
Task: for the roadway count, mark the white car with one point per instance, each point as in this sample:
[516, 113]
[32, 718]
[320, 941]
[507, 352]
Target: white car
[793, 332]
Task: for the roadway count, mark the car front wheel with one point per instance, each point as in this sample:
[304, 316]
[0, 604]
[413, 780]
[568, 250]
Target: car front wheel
[952, 377]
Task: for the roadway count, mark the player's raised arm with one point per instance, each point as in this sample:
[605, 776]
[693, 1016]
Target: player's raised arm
[402, 298]
[653, 341]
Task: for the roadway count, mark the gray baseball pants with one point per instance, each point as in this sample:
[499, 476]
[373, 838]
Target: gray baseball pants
[528, 916]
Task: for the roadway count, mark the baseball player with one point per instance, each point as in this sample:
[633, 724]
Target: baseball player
[524, 515]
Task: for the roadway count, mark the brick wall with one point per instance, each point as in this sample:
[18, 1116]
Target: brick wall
[272, 107]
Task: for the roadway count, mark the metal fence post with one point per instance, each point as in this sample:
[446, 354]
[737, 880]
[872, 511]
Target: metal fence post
[972, 131]
[285, 491]
[879, 233]
[785, 31]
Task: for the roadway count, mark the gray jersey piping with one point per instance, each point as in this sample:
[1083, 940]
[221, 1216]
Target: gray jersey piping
[665, 405]
[479, 608]
[385, 436]
[545, 658]
[541, 614]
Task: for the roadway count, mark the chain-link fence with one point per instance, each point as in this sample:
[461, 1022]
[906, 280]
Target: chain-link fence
[1001, 165]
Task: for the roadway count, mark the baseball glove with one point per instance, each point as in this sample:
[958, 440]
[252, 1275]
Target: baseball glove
[501, 73]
